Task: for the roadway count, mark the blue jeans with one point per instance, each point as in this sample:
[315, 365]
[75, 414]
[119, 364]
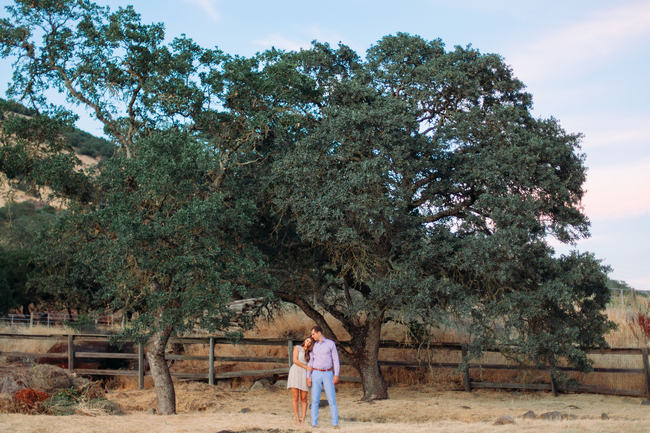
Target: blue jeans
[320, 380]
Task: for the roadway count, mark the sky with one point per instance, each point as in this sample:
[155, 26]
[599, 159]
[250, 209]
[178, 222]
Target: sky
[586, 63]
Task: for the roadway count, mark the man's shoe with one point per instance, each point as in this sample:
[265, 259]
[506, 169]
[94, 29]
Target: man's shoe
[336, 427]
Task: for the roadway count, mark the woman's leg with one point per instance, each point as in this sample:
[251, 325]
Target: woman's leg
[303, 403]
[295, 392]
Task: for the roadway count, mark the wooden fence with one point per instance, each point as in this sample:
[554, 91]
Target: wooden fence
[48, 318]
[468, 371]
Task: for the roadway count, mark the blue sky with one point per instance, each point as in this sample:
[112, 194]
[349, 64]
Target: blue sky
[587, 63]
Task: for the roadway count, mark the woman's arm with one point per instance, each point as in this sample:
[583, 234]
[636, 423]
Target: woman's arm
[296, 353]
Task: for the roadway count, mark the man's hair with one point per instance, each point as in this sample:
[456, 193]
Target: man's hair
[317, 328]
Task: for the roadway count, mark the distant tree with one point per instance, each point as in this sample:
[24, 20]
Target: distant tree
[15, 267]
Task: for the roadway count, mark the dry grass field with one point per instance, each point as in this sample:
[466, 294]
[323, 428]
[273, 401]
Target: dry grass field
[410, 409]
[421, 400]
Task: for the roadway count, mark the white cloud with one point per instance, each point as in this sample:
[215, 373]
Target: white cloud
[281, 42]
[284, 43]
[208, 6]
[595, 38]
[618, 191]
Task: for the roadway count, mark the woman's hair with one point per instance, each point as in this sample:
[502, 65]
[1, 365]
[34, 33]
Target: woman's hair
[308, 349]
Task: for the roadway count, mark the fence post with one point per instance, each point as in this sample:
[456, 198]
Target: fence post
[290, 349]
[12, 319]
[646, 370]
[466, 378]
[211, 366]
[31, 319]
[553, 384]
[140, 365]
[70, 353]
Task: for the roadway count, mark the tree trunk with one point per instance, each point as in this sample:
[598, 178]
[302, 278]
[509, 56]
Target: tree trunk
[366, 356]
[162, 380]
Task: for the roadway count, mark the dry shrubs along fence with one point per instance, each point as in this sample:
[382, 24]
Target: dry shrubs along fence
[490, 372]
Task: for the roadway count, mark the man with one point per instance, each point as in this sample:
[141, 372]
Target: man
[325, 368]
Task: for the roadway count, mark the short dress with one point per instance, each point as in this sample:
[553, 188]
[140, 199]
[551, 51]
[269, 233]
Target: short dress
[298, 375]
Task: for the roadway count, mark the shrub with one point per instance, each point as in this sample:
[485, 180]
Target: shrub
[29, 400]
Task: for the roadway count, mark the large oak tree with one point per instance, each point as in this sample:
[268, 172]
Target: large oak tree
[422, 185]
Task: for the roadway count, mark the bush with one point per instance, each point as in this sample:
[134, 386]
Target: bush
[29, 400]
[62, 402]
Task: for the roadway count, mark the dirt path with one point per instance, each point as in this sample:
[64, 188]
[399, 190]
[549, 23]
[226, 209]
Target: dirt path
[410, 410]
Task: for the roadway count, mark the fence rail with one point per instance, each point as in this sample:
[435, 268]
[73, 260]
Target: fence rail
[469, 383]
[46, 318]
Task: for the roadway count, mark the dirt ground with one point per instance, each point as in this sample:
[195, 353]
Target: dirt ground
[414, 409]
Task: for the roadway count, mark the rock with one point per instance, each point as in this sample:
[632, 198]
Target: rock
[261, 384]
[604, 416]
[151, 411]
[224, 385]
[12, 382]
[244, 410]
[465, 407]
[503, 420]
[80, 382]
[552, 416]
[323, 403]
[572, 406]
[280, 384]
[529, 415]
[106, 406]
[49, 378]
[645, 402]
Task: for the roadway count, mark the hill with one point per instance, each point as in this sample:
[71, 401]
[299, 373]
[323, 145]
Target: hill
[89, 149]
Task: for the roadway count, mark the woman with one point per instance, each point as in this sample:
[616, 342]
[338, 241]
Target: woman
[297, 380]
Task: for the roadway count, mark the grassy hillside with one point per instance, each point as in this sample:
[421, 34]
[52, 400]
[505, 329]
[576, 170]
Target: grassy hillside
[83, 142]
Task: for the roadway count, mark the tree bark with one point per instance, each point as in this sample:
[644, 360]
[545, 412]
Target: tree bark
[162, 380]
[365, 354]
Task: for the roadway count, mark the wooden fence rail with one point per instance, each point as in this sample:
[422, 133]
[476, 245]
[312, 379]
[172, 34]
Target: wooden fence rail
[71, 356]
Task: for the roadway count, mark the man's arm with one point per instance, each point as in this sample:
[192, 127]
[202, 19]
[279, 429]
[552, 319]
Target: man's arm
[335, 363]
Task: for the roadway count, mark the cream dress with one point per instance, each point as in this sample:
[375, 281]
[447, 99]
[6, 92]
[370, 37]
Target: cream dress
[298, 375]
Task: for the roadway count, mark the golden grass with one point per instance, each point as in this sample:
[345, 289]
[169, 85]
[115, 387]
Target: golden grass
[414, 409]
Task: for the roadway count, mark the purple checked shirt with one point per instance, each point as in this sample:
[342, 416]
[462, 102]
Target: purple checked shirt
[324, 356]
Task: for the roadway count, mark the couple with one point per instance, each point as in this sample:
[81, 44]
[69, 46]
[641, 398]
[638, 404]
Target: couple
[315, 364]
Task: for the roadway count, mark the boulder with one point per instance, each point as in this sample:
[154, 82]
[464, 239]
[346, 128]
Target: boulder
[49, 378]
[503, 420]
[261, 385]
[12, 382]
[529, 415]
[552, 416]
